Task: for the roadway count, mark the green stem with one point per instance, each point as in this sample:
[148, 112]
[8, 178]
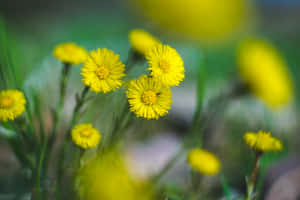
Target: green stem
[63, 87]
[39, 172]
[254, 175]
[75, 117]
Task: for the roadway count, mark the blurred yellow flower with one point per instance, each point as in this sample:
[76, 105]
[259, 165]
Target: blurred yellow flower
[148, 98]
[12, 104]
[262, 141]
[165, 64]
[85, 136]
[102, 71]
[70, 53]
[106, 177]
[204, 20]
[264, 71]
[141, 41]
[203, 161]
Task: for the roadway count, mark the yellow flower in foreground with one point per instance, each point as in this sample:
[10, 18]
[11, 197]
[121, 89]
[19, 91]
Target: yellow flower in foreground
[70, 53]
[85, 136]
[203, 161]
[262, 141]
[165, 64]
[106, 177]
[103, 70]
[141, 41]
[12, 104]
[148, 98]
[204, 20]
[264, 71]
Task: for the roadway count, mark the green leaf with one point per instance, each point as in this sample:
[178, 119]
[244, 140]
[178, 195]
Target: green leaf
[226, 188]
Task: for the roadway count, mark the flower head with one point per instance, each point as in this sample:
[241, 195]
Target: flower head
[70, 53]
[12, 104]
[141, 41]
[165, 64]
[203, 161]
[85, 136]
[148, 98]
[265, 73]
[107, 177]
[204, 20]
[102, 71]
[262, 141]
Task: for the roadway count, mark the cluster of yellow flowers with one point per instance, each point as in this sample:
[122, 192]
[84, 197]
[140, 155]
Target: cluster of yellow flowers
[149, 96]
[208, 164]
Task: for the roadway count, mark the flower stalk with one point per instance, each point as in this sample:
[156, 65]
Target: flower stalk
[250, 195]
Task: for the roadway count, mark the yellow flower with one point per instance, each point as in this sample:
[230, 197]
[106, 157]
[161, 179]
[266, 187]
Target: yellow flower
[165, 64]
[262, 141]
[204, 20]
[264, 71]
[70, 53]
[148, 98]
[106, 177]
[85, 136]
[141, 41]
[203, 161]
[12, 104]
[102, 71]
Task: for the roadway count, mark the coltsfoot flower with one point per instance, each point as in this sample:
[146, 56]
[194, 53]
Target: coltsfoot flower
[165, 64]
[107, 178]
[141, 41]
[103, 71]
[85, 136]
[203, 161]
[265, 73]
[149, 98]
[12, 104]
[262, 141]
[70, 53]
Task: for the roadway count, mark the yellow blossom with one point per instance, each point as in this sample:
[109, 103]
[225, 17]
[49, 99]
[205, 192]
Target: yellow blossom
[106, 177]
[103, 71]
[201, 20]
[148, 98]
[85, 136]
[203, 161]
[141, 41]
[165, 64]
[262, 141]
[265, 73]
[70, 53]
[12, 104]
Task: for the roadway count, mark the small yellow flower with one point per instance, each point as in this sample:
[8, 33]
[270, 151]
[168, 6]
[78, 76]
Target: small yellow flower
[203, 161]
[264, 71]
[85, 136]
[12, 104]
[148, 98]
[107, 177]
[262, 141]
[103, 71]
[165, 64]
[70, 53]
[141, 41]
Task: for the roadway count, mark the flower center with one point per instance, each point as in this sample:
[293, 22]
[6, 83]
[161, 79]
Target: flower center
[102, 72]
[86, 133]
[6, 102]
[164, 65]
[149, 97]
